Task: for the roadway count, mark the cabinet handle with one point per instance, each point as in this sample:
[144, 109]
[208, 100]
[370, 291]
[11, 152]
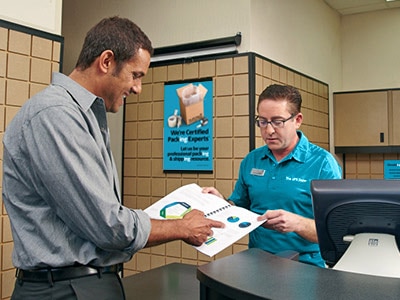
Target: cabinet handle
[382, 137]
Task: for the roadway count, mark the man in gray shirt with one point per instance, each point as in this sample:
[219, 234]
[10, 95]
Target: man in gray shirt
[60, 186]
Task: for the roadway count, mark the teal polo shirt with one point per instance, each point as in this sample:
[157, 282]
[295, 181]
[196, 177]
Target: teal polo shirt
[265, 184]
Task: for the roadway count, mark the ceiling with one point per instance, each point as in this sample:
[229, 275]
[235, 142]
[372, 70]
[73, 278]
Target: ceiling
[348, 7]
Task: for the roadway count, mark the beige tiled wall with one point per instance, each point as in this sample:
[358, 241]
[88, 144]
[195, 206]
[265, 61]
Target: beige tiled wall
[367, 166]
[26, 63]
[143, 179]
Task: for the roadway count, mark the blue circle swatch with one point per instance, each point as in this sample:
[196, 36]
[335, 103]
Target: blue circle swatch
[233, 219]
[244, 224]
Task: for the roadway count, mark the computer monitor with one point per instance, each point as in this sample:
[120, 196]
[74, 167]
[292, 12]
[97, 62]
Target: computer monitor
[358, 224]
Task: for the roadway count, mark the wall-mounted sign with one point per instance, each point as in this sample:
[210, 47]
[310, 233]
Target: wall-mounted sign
[188, 126]
[391, 169]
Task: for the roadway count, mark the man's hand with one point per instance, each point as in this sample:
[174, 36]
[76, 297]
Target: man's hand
[193, 229]
[198, 227]
[212, 190]
[283, 221]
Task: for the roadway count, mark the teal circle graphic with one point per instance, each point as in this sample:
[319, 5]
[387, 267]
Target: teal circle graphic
[244, 224]
[233, 219]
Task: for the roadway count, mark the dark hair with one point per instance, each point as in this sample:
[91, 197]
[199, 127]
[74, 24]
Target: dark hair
[119, 35]
[282, 92]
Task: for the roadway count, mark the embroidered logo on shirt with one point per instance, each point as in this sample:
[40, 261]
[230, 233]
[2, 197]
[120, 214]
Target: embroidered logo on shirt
[257, 172]
[296, 179]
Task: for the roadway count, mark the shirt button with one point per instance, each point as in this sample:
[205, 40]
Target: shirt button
[273, 177]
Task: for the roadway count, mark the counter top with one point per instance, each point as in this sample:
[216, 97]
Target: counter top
[256, 274]
[174, 281]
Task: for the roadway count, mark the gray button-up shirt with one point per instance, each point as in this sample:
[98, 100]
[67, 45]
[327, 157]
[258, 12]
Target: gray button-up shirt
[60, 185]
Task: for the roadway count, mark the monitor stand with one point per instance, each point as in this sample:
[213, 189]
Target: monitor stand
[372, 254]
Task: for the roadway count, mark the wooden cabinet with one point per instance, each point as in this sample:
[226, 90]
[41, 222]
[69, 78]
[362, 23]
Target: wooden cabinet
[367, 119]
[395, 117]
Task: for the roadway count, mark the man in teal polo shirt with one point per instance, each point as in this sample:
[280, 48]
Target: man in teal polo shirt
[274, 180]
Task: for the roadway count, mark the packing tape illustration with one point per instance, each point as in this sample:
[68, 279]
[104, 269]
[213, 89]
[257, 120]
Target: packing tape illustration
[174, 120]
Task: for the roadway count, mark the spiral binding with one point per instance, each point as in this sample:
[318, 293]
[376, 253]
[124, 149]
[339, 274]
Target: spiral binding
[217, 210]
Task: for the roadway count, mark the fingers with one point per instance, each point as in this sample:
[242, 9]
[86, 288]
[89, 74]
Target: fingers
[271, 214]
[199, 238]
[210, 222]
[212, 190]
[262, 218]
[207, 231]
[216, 224]
[272, 226]
[199, 227]
[208, 190]
[272, 219]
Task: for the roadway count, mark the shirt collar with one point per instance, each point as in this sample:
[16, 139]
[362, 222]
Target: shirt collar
[298, 153]
[82, 96]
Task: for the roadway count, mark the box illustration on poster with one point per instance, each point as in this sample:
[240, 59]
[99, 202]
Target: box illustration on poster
[191, 102]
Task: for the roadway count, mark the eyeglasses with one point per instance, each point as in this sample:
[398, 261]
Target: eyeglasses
[263, 123]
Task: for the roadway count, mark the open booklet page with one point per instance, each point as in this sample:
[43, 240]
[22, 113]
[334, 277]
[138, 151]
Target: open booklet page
[238, 221]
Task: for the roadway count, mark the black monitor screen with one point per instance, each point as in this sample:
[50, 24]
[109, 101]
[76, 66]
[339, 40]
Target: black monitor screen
[351, 206]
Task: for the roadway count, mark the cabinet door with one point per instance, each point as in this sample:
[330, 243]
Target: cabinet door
[395, 118]
[361, 119]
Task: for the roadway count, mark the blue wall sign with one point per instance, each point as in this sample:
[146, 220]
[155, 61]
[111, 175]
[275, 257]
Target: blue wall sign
[188, 126]
[392, 169]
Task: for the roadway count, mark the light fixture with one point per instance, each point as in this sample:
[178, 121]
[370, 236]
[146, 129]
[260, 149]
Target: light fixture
[187, 52]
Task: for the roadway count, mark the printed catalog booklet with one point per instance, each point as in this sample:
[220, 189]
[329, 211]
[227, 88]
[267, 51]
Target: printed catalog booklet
[238, 221]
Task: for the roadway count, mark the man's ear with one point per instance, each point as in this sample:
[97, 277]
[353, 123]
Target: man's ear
[299, 119]
[106, 59]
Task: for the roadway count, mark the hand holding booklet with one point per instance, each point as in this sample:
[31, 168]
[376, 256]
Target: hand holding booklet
[238, 221]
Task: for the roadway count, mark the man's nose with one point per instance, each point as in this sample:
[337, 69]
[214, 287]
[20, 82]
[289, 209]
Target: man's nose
[137, 87]
[269, 128]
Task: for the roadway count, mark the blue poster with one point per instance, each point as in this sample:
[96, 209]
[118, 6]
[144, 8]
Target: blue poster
[188, 126]
[391, 169]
